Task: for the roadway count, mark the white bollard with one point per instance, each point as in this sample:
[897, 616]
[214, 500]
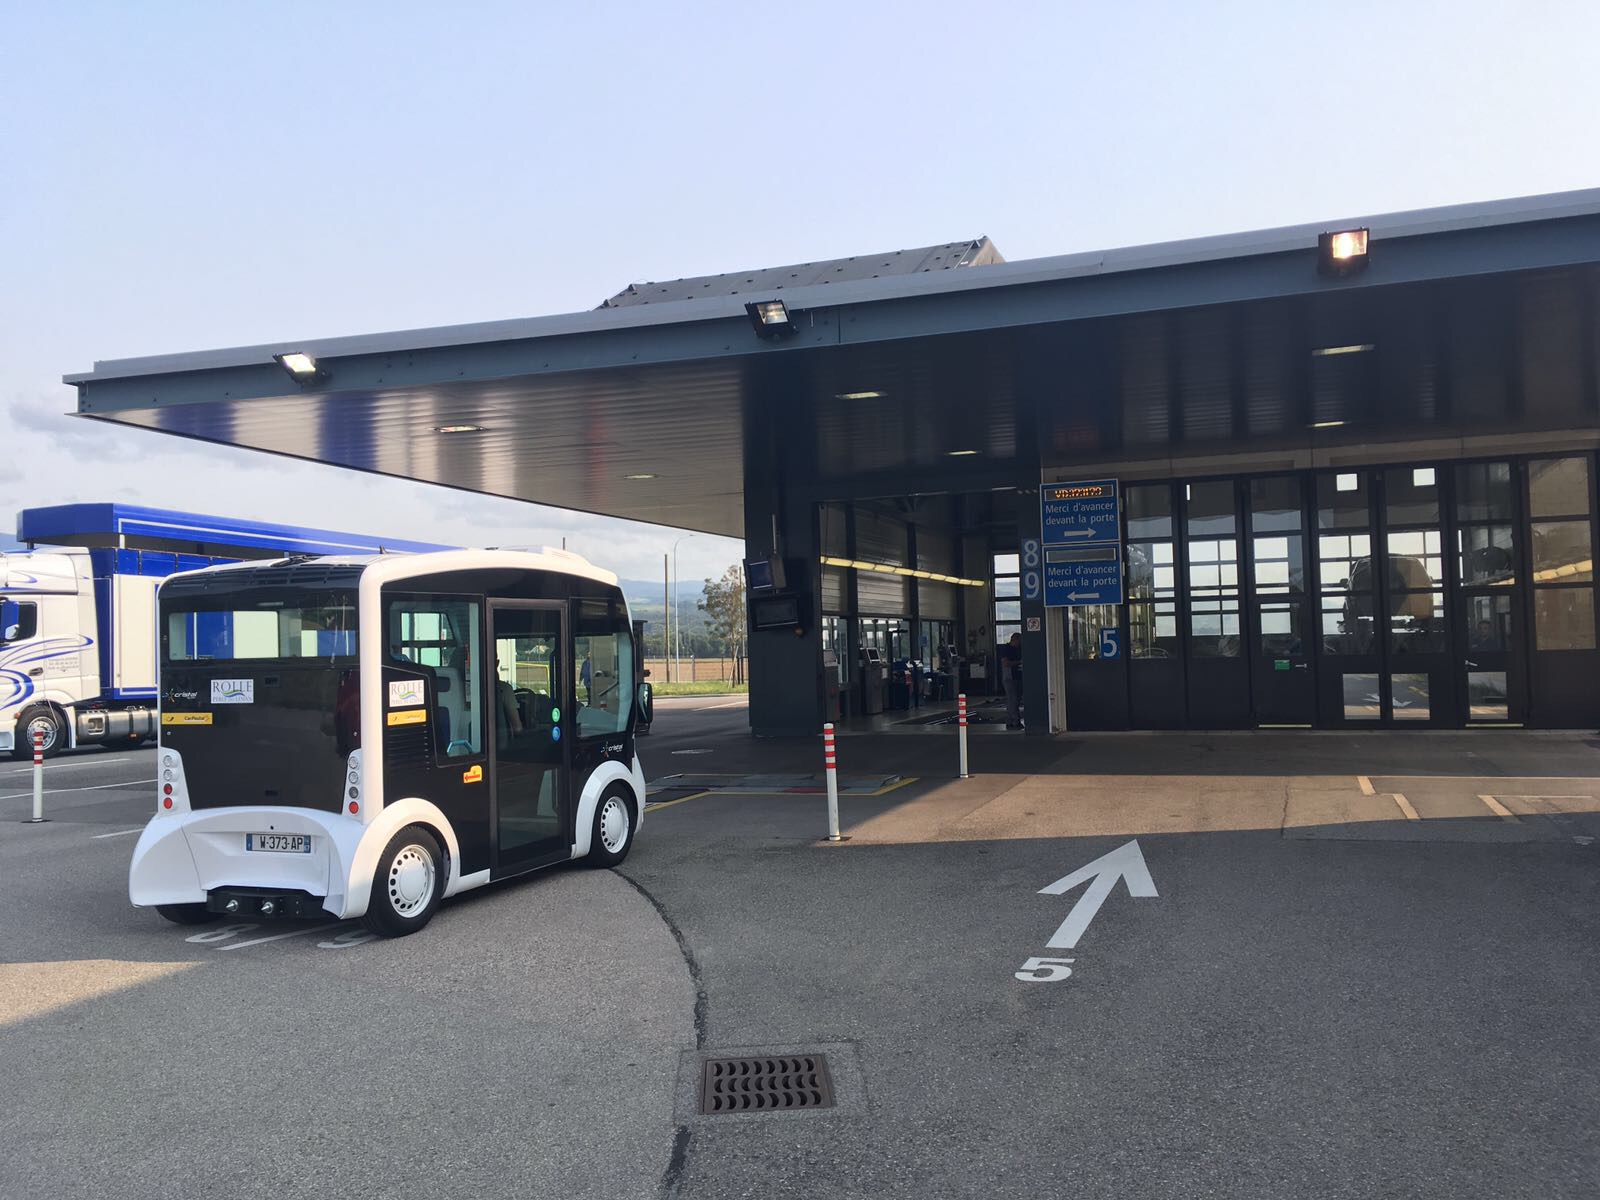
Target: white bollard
[829, 761]
[961, 730]
[38, 777]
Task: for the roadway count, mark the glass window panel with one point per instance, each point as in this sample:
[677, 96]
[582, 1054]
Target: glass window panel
[1230, 575]
[1209, 508]
[1203, 552]
[1416, 623]
[1342, 507]
[1203, 575]
[1409, 697]
[1486, 696]
[1006, 564]
[1272, 576]
[1483, 492]
[1008, 610]
[1282, 630]
[1563, 618]
[1487, 554]
[1153, 630]
[1214, 630]
[1272, 548]
[1002, 633]
[1558, 487]
[1488, 622]
[1347, 624]
[1412, 566]
[1410, 497]
[1275, 504]
[1084, 626]
[1007, 586]
[1361, 701]
[1562, 552]
[1145, 577]
[1149, 510]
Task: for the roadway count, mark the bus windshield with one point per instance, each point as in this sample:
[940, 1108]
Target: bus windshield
[311, 626]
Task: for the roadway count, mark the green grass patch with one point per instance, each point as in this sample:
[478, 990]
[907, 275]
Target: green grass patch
[702, 687]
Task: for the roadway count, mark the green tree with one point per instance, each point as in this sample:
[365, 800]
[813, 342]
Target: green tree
[723, 603]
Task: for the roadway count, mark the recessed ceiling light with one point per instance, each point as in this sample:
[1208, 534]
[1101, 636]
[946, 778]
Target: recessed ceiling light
[458, 428]
[960, 453]
[858, 396]
[1326, 424]
[1326, 351]
[640, 475]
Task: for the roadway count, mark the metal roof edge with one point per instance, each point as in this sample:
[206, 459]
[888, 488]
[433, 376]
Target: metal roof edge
[1282, 239]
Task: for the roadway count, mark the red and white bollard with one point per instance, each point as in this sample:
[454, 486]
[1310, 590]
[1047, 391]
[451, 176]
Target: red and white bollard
[831, 763]
[961, 729]
[38, 777]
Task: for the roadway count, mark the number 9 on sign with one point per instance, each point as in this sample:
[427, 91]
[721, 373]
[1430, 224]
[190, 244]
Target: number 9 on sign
[1030, 585]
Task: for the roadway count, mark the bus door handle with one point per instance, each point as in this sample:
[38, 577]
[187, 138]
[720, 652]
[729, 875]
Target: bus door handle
[36, 672]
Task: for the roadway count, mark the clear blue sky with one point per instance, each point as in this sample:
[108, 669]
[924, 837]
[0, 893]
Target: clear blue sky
[181, 176]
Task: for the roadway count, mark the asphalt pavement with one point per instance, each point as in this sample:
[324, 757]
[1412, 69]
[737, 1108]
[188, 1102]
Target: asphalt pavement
[1324, 996]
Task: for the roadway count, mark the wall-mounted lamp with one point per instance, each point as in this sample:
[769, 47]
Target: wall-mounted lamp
[770, 317]
[302, 367]
[1342, 253]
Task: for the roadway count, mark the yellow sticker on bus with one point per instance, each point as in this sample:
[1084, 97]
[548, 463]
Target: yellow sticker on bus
[408, 716]
[185, 718]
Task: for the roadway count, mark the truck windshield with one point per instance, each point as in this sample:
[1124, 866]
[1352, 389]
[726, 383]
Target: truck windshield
[319, 626]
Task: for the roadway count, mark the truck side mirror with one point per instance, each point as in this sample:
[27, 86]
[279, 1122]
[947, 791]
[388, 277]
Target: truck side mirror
[647, 672]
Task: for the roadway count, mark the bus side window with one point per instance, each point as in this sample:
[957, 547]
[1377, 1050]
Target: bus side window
[603, 664]
[444, 633]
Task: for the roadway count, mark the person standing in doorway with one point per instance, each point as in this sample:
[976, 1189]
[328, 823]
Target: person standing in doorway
[1011, 680]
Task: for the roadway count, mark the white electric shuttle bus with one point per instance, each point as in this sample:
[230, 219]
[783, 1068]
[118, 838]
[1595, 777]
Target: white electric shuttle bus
[362, 737]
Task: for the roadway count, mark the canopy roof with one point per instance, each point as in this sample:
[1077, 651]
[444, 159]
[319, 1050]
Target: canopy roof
[1475, 318]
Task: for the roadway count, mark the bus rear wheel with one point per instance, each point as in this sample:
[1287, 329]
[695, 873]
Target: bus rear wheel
[408, 884]
[612, 835]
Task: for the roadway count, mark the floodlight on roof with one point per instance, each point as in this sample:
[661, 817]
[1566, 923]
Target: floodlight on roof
[1343, 252]
[302, 367]
[770, 317]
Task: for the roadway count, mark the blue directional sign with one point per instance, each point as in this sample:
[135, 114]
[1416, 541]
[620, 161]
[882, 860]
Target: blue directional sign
[1079, 514]
[1082, 575]
[1081, 528]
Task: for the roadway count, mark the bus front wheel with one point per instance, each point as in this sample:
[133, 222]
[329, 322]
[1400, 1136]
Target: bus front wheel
[407, 885]
[612, 835]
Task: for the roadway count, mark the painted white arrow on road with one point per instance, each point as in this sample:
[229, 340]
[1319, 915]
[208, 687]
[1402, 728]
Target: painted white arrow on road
[1125, 863]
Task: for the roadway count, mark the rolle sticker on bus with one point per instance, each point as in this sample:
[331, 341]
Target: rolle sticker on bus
[406, 693]
[233, 691]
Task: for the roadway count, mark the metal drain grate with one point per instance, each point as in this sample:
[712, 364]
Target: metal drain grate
[765, 1084]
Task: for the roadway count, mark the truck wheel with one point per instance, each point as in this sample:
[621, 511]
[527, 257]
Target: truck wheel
[46, 720]
[408, 884]
[187, 914]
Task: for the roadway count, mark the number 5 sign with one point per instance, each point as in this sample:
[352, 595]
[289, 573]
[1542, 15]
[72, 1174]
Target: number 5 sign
[1030, 569]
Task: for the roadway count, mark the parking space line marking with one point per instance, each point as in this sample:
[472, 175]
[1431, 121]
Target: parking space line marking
[1498, 809]
[98, 787]
[278, 937]
[119, 833]
[1366, 785]
[660, 804]
[1405, 807]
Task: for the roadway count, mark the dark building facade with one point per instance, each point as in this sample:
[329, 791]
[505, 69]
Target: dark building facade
[1352, 494]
